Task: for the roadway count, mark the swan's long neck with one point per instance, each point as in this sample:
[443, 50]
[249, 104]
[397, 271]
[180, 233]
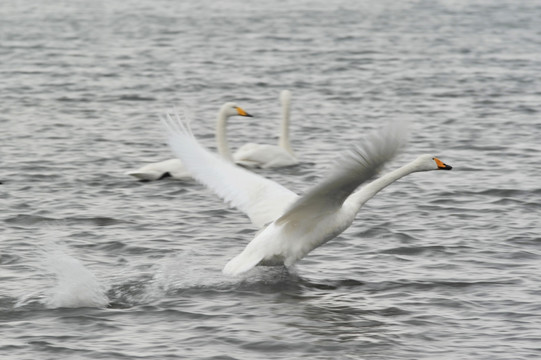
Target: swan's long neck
[221, 136]
[283, 140]
[358, 198]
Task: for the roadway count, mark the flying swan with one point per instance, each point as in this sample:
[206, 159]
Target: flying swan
[174, 167]
[294, 225]
[271, 156]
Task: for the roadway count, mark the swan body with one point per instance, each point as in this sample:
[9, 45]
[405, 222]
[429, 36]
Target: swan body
[159, 170]
[271, 156]
[264, 156]
[301, 230]
[294, 225]
[174, 167]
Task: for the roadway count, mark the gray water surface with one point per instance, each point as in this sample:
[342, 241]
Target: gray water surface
[440, 265]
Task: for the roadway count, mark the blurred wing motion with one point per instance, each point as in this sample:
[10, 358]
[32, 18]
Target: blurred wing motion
[261, 199]
[351, 169]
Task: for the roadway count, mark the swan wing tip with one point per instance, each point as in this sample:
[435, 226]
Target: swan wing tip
[177, 122]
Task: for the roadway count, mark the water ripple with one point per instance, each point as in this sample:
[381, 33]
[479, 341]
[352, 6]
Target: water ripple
[438, 265]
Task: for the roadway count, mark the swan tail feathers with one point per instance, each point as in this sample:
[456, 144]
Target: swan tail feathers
[141, 175]
[243, 262]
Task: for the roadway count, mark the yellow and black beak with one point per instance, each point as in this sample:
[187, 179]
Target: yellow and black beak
[441, 165]
[241, 112]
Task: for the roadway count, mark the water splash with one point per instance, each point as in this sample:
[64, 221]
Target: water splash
[186, 270]
[64, 281]
[178, 272]
[75, 285]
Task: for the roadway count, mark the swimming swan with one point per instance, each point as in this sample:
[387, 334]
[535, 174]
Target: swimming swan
[174, 167]
[294, 225]
[271, 156]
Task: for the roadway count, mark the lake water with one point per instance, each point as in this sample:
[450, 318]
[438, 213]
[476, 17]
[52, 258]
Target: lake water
[97, 265]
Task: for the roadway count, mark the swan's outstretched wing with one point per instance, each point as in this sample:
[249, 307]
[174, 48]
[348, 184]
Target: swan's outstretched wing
[261, 199]
[351, 170]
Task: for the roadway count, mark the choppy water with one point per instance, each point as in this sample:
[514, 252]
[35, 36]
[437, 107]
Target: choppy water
[95, 265]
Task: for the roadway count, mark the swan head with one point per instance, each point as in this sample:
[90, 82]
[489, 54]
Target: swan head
[430, 162]
[285, 97]
[231, 109]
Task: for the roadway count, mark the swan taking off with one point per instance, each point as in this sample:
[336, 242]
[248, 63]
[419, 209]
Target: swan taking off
[271, 156]
[174, 167]
[293, 225]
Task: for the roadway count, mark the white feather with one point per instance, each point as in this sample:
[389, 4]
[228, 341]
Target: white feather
[261, 199]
